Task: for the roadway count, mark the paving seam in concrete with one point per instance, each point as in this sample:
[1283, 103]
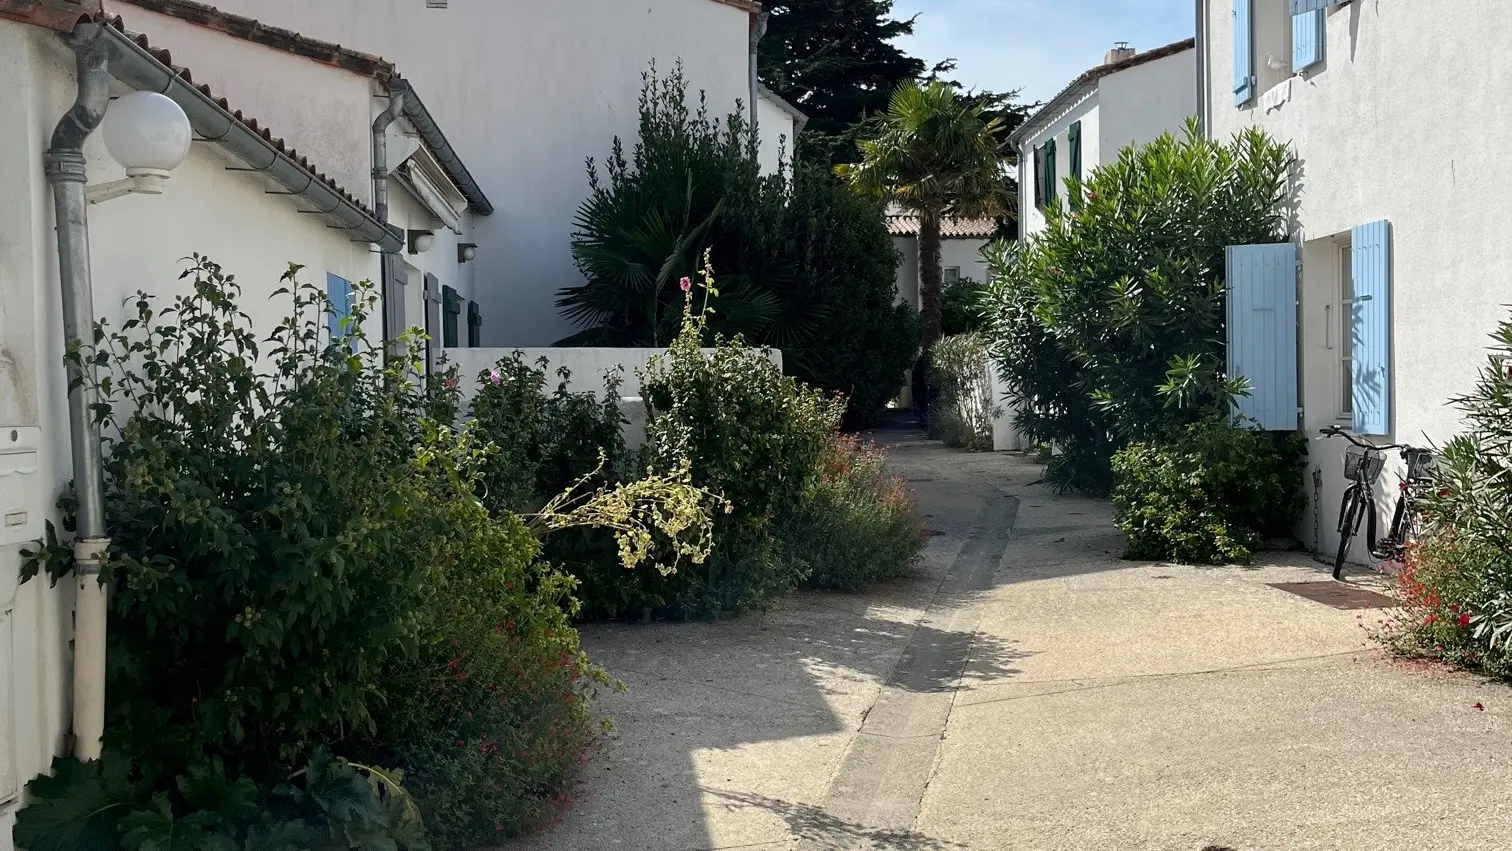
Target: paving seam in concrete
[888, 764]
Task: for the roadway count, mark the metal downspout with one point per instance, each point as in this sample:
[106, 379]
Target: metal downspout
[381, 201]
[1202, 98]
[65, 168]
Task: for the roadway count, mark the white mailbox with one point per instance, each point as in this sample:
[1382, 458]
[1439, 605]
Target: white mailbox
[22, 511]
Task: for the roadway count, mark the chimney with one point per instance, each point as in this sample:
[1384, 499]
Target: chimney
[1119, 53]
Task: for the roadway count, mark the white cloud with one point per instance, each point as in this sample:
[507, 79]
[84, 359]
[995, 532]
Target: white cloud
[1037, 45]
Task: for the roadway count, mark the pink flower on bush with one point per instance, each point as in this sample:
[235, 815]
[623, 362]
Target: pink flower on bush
[495, 378]
[686, 284]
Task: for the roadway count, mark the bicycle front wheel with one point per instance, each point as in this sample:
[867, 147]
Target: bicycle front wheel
[1349, 524]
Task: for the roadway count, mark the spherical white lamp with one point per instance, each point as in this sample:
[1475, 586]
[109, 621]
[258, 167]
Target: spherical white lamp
[421, 241]
[147, 133]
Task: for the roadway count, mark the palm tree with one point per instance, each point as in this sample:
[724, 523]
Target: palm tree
[936, 154]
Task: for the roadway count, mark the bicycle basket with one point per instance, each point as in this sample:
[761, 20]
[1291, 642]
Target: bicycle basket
[1372, 460]
[1419, 465]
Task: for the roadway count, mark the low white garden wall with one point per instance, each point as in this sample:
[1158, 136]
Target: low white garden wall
[587, 367]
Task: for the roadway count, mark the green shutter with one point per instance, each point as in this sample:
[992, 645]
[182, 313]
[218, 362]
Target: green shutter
[1050, 180]
[474, 326]
[451, 308]
[1074, 168]
[1039, 178]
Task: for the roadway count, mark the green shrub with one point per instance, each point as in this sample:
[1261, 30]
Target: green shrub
[261, 505]
[964, 411]
[861, 526]
[300, 560]
[490, 719]
[1210, 495]
[1456, 584]
[961, 307]
[328, 805]
[753, 436]
[546, 442]
[1091, 316]
[806, 265]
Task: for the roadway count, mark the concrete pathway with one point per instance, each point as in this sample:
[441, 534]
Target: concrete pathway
[1025, 689]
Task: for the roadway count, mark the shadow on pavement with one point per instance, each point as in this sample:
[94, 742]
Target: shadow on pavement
[820, 831]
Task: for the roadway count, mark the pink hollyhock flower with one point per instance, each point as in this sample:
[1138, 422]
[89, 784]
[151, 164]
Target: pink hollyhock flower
[686, 284]
[495, 378]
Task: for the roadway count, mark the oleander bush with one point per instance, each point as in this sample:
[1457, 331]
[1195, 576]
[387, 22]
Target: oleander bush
[1456, 582]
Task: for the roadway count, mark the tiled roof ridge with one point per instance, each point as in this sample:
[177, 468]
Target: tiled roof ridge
[953, 228]
[278, 38]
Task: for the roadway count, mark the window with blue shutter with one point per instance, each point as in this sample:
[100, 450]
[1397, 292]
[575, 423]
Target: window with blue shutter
[1050, 178]
[1262, 332]
[1244, 52]
[1307, 39]
[1370, 264]
[339, 291]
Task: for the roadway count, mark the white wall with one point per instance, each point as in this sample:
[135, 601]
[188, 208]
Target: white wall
[406, 211]
[136, 242]
[964, 254]
[908, 270]
[588, 369]
[324, 112]
[34, 620]
[777, 130]
[1087, 111]
[1403, 121]
[1138, 104]
[526, 91]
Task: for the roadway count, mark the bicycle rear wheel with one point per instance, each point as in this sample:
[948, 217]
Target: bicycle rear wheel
[1349, 525]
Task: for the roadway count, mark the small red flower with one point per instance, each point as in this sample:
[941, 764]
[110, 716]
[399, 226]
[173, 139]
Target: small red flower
[1464, 621]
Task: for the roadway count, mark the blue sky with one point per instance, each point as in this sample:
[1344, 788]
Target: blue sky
[1037, 45]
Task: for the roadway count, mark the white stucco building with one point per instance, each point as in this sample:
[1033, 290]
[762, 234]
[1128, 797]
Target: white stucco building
[1130, 99]
[778, 124]
[433, 200]
[251, 196]
[1398, 191]
[961, 244]
[529, 90]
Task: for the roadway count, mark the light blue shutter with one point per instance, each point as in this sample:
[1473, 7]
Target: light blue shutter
[1244, 53]
[1300, 6]
[1370, 262]
[1307, 39]
[340, 294]
[1262, 332]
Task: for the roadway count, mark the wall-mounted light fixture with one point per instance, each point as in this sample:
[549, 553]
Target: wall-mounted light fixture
[149, 135]
[421, 241]
[467, 252]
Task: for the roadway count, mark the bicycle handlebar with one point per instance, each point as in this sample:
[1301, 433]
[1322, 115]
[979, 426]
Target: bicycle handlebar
[1336, 431]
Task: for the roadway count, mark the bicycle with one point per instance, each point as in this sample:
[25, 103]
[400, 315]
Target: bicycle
[1362, 466]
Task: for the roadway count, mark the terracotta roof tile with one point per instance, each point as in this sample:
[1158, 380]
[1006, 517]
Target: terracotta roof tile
[61, 15]
[278, 38]
[950, 229]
